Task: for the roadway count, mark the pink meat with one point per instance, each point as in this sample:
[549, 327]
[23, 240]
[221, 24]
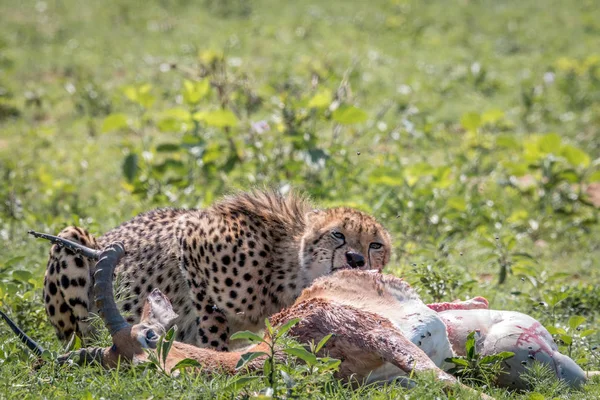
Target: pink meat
[499, 331]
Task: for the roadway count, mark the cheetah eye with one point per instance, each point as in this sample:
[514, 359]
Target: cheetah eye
[338, 235]
[375, 246]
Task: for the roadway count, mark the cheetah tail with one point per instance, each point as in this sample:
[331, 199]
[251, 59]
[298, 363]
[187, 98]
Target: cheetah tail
[76, 247]
[29, 342]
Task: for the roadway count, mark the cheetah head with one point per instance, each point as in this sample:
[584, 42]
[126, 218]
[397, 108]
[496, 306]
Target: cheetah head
[343, 238]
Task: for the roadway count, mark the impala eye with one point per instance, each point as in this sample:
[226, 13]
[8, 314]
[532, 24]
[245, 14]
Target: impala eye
[338, 235]
[375, 246]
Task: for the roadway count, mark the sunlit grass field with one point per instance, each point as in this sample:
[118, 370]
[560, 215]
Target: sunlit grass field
[470, 129]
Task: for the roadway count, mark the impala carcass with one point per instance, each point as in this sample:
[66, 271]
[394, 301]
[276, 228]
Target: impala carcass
[382, 329]
[440, 330]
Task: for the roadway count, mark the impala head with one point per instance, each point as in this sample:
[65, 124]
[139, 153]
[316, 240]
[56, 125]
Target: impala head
[129, 341]
[343, 238]
[156, 316]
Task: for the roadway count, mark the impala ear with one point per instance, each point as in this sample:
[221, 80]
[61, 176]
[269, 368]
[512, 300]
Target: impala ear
[158, 311]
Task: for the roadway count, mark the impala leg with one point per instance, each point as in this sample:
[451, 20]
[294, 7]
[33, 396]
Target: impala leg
[85, 356]
[396, 349]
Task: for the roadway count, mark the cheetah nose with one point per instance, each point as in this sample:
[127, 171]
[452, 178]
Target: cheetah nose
[355, 260]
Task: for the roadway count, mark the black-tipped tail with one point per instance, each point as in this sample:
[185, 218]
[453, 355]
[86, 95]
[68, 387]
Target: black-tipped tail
[29, 342]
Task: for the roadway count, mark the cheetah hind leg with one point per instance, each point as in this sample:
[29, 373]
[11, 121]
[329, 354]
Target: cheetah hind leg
[68, 282]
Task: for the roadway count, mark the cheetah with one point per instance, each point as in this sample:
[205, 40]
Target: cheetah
[225, 268]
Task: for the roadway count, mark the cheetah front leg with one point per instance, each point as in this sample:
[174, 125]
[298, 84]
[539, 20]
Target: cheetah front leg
[212, 325]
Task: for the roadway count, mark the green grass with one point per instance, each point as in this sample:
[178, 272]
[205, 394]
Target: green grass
[446, 107]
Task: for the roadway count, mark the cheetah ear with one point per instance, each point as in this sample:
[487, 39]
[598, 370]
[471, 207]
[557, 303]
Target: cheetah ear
[158, 311]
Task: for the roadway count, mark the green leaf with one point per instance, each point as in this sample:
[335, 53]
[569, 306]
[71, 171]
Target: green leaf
[87, 395]
[269, 327]
[575, 321]
[583, 361]
[217, 118]
[532, 152]
[246, 335]
[517, 169]
[470, 345]
[558, 276]
[550, 143]
[186, 363]
[536, 396]
[595, 177]
[587, 332]
[240, 383]
[131, 93]
[167, 147]
[74, 343]
[470, 121]
[130, 167]
[487, 244]
[282, 330]
[247, 357]
[458, 361]
[524, 270]
[21, 275]
[492, 117]
[114, 122]
[302, 354]
[524, 255]
[349, 115]
[387, 176]
[575, 156]
[169, 125]
[508, 142]
[140, 95]
[13, 261]
[504, 355]
[267, 367]
[321, 99]
[457, 203]
[567, 339]
[569, 175]
[193, 92]
[555, 330]
[556, 297]
[48, 356]
[329, 364]
[323, 342]
[170, 164]
[167, 342]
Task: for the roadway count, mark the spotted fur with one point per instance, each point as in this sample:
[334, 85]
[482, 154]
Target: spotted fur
[225, 268]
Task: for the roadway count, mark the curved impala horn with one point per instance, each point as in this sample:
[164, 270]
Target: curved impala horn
[69, 244]
[29, 342]
[103, 287]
